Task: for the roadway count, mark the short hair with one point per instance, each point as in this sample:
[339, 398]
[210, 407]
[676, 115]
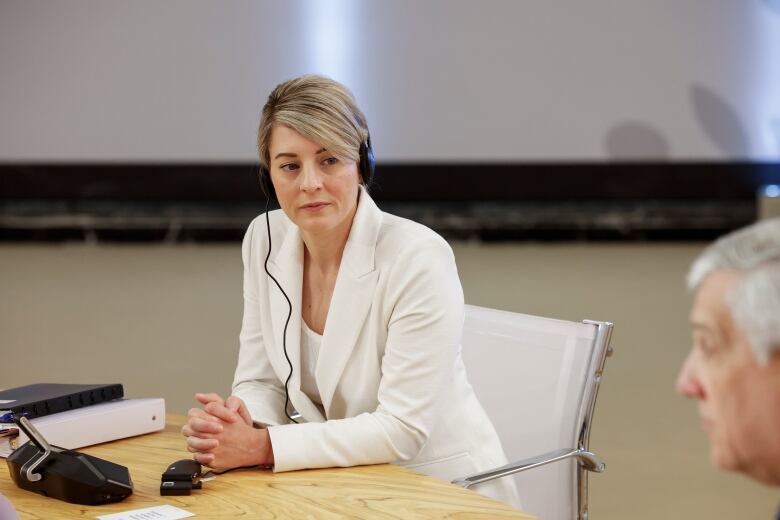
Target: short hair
[319, 108]
[755, 302]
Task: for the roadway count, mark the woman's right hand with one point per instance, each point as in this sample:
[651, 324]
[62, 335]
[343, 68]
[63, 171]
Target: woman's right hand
[202, 426]
[222, 435]
[232, 403]
[200, 430]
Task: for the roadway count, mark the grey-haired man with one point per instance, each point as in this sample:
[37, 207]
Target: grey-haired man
[733, 369]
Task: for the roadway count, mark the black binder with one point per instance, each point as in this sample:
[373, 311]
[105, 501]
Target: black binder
[48, 398]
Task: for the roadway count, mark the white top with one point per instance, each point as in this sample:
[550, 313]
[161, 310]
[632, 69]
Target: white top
[310, 353]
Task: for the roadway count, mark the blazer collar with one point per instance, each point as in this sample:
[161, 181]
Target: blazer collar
[351, 300]
[361, 244]
[359, 251]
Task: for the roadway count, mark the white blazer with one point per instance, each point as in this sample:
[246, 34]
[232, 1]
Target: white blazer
[389, 372]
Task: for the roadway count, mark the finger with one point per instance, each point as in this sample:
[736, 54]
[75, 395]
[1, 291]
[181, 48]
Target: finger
[204, 458]
[203, 426]
[193, 450]
[200, 413]
[202, 445]
[207, 433]
[237, 404]
[222, 412]
[233, 403]
[208, 398]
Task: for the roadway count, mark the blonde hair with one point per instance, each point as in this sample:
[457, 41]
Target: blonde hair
[319, 108]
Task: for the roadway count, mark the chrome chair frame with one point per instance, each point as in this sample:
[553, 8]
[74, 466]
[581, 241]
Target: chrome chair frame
[586, 460]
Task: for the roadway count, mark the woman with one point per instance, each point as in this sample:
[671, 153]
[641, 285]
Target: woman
[352, 317]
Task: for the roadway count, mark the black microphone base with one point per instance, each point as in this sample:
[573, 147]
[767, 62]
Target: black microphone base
[71, 476]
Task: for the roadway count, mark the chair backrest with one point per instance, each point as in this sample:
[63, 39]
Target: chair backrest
[538, 379]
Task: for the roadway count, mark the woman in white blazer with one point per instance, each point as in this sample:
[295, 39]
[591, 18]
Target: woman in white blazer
[352, 317]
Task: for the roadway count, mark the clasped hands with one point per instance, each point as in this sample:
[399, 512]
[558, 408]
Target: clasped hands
[221, 435]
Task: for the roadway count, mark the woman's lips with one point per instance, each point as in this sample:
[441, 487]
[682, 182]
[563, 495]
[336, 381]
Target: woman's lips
[314, 206]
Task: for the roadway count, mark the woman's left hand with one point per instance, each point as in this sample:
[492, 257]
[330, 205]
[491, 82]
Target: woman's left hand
[237, 442]
[233, 403]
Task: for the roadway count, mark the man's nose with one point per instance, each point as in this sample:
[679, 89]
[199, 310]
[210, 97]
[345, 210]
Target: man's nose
[687, 380]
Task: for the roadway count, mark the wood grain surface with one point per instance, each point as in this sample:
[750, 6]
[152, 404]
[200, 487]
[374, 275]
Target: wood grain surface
[380, 491]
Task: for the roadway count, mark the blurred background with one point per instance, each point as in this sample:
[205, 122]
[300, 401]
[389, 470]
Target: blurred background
[577, 156]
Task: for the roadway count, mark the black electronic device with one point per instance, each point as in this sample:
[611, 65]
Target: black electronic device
[48, 398]
[181, 478]
[66, 475]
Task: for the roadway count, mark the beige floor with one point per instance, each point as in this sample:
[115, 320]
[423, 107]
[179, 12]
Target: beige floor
[164, 321]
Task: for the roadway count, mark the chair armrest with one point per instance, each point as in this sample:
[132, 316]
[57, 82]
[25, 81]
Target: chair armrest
[590, 461]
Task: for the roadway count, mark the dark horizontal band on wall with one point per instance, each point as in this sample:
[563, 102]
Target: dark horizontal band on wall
[401, 182]
[565, 201]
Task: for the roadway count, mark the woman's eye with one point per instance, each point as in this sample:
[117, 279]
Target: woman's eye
[289, 167]
[330, 161]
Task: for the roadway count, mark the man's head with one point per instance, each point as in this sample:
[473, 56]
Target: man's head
[733, 369]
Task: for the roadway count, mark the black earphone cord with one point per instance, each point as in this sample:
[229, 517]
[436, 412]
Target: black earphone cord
[289, 315]
[367, 174]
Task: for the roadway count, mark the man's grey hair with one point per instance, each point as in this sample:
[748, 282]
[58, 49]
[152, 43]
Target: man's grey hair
[755, 302]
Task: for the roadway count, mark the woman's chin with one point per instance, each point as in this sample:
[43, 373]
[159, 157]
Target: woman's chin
[315, 225]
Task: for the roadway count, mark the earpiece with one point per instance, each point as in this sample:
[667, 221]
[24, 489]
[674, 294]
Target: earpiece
[367, 162]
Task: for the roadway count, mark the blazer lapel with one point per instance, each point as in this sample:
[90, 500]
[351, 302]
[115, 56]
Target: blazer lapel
[287, 267]
[351, 300]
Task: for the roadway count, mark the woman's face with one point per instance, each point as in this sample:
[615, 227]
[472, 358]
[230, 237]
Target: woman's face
[316, 190]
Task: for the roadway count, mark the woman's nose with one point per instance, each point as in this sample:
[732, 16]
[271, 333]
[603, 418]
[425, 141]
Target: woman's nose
[310, 178]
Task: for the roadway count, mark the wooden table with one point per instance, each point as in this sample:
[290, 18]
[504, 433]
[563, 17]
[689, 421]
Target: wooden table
[380, 491]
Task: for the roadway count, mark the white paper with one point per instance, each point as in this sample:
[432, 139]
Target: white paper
[165, 512]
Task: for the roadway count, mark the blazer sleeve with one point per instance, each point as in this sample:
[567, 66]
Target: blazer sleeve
[255, 382]
[423, 339]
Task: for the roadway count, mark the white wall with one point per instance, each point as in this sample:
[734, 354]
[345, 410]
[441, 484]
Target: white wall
[183, 80]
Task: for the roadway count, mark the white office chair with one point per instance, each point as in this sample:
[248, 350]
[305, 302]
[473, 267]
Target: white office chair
[538, 379]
